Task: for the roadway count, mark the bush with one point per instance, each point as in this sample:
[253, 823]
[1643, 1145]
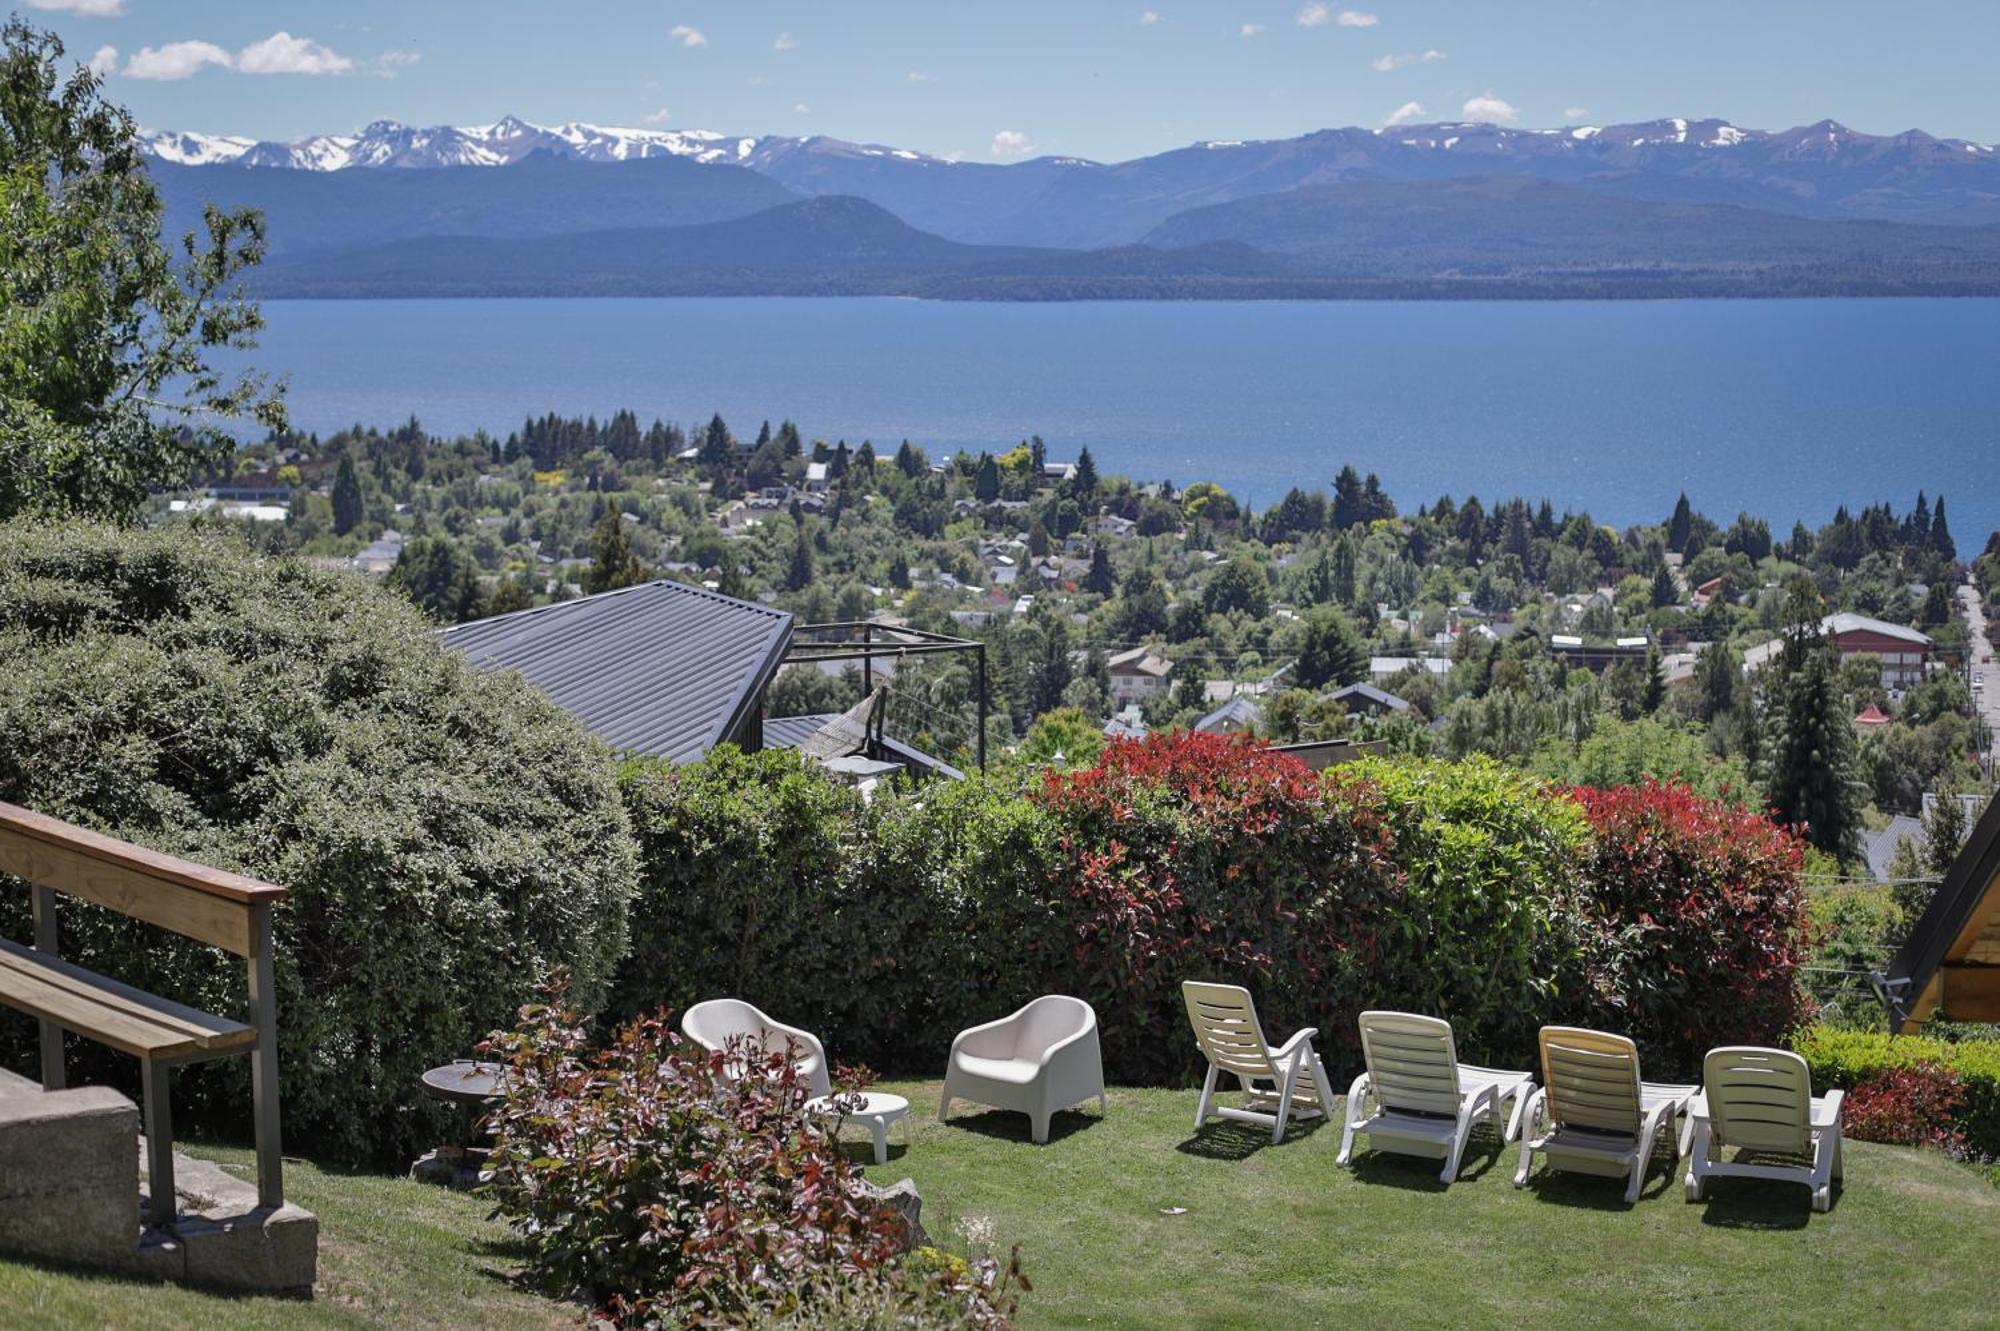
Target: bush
[643, 1178]
[446, 836]
[1854, 930]
[1490, 933]
[1194, 856]
[1849, 1058]
[1700, 921]
[1918, 1105]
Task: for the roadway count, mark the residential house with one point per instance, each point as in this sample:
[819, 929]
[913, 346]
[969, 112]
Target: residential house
[1137, 675]
[1238, 716]
[1905, 653]
[1367, 700]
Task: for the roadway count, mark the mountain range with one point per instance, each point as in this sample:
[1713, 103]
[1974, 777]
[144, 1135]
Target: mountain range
[1662, 207]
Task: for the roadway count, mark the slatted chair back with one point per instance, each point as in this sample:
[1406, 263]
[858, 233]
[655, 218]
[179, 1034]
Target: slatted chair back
[1759, 1099]
[1226, 1028]
[1591, 1080]
[1412, 1062]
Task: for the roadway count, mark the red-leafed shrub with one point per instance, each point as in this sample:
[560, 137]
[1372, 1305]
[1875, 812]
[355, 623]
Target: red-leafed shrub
[1195, 856]
[1917, 1105]
[667, 1193]
[1700, 923]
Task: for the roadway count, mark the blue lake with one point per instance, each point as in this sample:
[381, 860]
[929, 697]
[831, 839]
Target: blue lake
[1783, 408]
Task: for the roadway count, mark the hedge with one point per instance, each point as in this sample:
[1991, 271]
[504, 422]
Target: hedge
[1464, 889]
[1843, 1059]
[446, 836]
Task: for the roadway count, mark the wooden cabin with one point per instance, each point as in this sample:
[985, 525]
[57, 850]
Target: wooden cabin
[1951, 964]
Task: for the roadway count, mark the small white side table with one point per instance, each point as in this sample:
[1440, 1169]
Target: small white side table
[877, 1110]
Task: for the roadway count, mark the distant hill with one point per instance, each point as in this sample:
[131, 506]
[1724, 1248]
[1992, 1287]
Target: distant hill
[542, 195]
[1670, 207]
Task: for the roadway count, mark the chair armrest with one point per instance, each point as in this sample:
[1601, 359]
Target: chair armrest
[1826, 1109]
[1531, 1113]
[1291, 1047]
[1049, 1054]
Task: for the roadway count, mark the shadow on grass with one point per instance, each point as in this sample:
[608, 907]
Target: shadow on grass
[1227, 1139]
[1749, 1203]
[1420, 1173]
[1590, 1192]
[1007, 1125]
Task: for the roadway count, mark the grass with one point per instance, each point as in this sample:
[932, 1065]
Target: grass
[1270, 1233]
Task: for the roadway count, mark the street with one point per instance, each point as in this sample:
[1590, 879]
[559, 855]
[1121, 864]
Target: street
[1985, 700]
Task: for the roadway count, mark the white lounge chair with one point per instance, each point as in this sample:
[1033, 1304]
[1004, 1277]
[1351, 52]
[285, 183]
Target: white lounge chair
[1416, 1098]
[1760, 1101]
[1592, 1114]
[715, 1023]
[1036, 1061]
[1282, 1081]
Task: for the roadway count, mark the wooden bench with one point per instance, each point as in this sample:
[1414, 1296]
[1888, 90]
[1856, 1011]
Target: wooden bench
[213, 906]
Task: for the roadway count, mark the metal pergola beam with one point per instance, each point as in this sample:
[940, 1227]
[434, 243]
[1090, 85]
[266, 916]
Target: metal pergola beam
[867, 650]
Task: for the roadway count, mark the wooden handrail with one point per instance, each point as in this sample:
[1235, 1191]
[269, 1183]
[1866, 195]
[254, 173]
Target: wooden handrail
[137, 859]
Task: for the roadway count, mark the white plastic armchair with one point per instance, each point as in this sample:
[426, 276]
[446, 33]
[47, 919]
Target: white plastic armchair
[717, 1022]
[1036, 1061]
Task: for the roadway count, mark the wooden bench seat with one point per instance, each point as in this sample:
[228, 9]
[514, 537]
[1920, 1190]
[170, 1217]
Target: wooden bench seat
[127, 1019]
[214, 906]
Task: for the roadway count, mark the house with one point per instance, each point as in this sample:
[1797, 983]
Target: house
[1904, 652]
[1367, 700]
[381, 554]
[1238, 716]
[1871, 718]
[1879, 848]
[670, 670]
[1705, 594]
[816, 480]
[1058, 473]
[1137, 675]
[1382, 669]
[1951, 960]
[1126, 725]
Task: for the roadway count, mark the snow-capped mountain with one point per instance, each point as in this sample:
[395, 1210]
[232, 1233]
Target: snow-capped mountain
[502, 143]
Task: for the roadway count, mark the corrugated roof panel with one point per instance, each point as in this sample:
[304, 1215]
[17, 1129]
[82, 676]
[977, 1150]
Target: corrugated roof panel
[660, 668]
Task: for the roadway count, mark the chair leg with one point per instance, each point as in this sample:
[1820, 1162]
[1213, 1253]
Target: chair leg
[1458, 1139]
[1103, 1103]
[1038, 1128]
[944, 1104]
[1355, 1094]
[1697, 1160]
[1285, 1102]
[1207, 1101]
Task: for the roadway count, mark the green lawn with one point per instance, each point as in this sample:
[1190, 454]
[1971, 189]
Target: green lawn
[1270, 1234]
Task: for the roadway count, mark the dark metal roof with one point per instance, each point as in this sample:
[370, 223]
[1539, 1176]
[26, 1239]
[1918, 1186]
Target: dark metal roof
[660, 668]
[788, 732]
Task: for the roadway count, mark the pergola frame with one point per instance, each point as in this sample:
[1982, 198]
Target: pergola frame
[857, 641]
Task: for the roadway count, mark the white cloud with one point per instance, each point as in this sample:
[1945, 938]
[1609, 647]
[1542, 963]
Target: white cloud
[175, 60]
[105, 62]
[1250, 29]
[82, 8]
[919, 76]
[785, 42]
[282, 53]
[1384, 64]
[800, 108]
[1011, 143]
[1405, 113]
[1490, 109]
[659, 117]
[1575, 112]
[1354, 18]
[689, 37]
[1149, 17]
[391, 63]
[1314, 16]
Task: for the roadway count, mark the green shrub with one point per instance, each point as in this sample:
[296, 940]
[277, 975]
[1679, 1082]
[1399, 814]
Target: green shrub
[1846, 1058]
[1490, 933]
[446, 836]
[1854, 931]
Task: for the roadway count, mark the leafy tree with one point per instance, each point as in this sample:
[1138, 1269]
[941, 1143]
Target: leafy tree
[107, 386]
[1332, 652]
[346, 497]
[986, 479]
[1941, 533]
[715, 449]
[444, 584]
[1049, 666]
[1662, 592]
[799, 574]
[1241, 585]
[1142, 606]
[1063, 738]
[1083, 482]
[1680, 525]
[613, 563]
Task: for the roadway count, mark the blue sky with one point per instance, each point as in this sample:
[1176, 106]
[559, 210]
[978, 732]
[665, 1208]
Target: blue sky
[999, 81]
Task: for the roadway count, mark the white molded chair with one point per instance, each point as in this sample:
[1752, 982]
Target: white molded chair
[1761, 1101]
[1036, 1061]
[1416, 1098]
[1592, 1114]
[1281, 1081]
[715, 1023]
